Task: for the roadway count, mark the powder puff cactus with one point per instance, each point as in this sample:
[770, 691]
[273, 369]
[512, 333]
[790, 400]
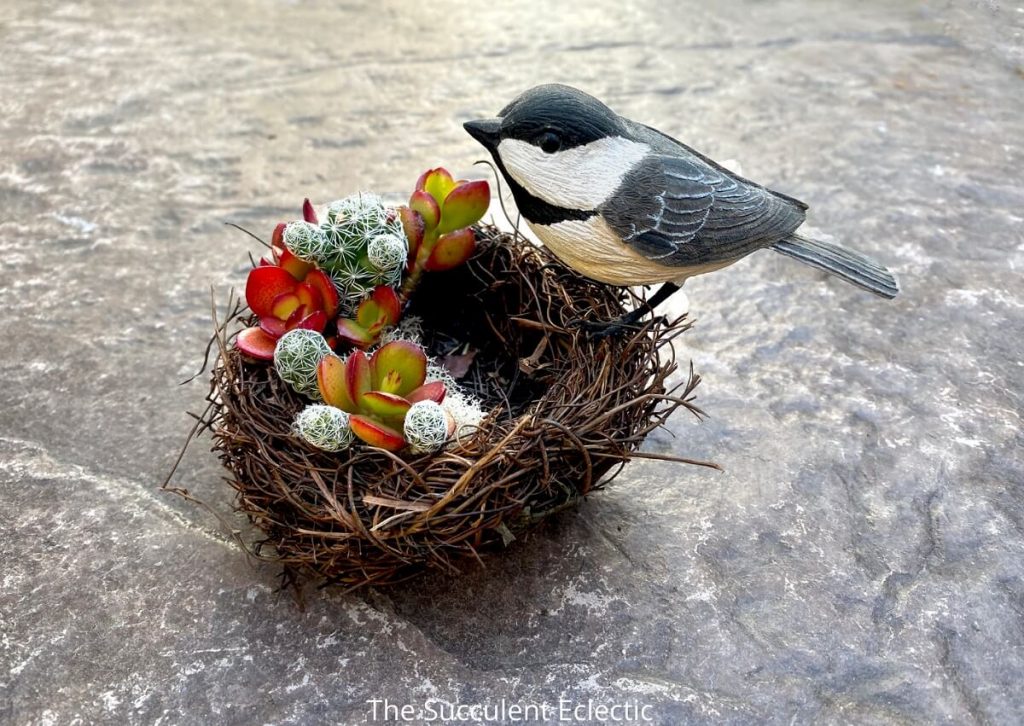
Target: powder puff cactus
[325, 427]
[387, 254]
[296, 357]
[427, 427]
[354, 221]
[306, 241]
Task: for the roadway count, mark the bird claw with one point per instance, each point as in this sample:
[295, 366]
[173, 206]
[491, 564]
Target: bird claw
[601, 329]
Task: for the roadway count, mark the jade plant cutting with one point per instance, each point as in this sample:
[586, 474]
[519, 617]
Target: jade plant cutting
[377, 391]
[438, 223]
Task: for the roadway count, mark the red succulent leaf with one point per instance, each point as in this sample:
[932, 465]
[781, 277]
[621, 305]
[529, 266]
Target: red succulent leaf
[277, 238]
[309, 296]
[316, 320]
[381, 309]
[398, 367]
[427, 207]
[414, 227]
[368, 313]
[438, 183]
[390, 306]
[385, 405]
[274, 327]
[296, 266]
[464, 205]
[451, 250]
[376, 434]
[308, 213]
[357, 376]
[263, 287]
[433, 391]
[354, 334]
[285, 305]
[255, 343]
[328, 293]
[330, 379]
[297, 316]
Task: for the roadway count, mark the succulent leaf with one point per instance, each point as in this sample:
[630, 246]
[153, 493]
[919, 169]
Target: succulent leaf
[354, 333]
[433, 391]
[414, 228]
[438, 183]
[308, 213]
[464, 205]
[387, 300]
[358, 379]
[296, 266]
[427, 207]
[328, 293]
[264, 285]
[255, 343]
[451, 250]
[316, 320]
[376, 434]
[385, 405]
[309, 296]
[274, 327]
[330, 379]
[398, 367]
[285, 305]
[277, 238]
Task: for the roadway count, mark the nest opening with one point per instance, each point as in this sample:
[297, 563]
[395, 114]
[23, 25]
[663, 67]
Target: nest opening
[566, 409]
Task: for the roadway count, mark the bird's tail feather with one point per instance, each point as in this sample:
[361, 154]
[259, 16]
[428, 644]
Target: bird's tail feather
[851, 266]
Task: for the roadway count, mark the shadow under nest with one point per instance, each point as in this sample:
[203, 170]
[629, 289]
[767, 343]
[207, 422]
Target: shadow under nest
[564, 410]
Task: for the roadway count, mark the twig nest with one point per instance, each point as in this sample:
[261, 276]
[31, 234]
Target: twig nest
[427, 427]
[565, 410]
[325, 427]
[296, 356]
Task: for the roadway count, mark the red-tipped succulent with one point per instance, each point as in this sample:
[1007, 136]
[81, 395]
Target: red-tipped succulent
[377, 312]
[437, 222]
[285, 292]
[377, 391]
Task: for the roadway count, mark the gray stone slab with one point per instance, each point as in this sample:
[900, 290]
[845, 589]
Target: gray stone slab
[859, 560]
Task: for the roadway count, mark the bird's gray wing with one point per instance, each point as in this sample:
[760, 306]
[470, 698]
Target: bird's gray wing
[682, 212]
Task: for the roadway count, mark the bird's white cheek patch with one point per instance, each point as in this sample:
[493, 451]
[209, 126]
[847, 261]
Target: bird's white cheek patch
[582, 177]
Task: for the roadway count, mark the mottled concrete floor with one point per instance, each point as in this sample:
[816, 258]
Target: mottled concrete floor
[861, 558]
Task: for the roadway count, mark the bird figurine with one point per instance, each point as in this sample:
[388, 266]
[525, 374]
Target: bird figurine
[626, 204]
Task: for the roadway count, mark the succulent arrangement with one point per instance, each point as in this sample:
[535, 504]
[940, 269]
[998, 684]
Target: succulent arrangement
[379, 390]
[340, 281]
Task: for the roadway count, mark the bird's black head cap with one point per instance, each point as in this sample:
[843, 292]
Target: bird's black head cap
[552, 117]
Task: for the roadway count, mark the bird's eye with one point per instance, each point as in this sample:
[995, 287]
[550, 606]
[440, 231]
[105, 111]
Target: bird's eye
[550, 142]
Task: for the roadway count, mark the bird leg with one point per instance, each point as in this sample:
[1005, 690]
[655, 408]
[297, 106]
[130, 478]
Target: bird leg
[605, 328]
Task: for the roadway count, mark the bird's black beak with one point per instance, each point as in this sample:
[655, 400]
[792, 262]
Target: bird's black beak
[485, 130]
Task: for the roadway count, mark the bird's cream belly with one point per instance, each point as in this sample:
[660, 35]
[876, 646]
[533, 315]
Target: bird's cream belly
[593, 249]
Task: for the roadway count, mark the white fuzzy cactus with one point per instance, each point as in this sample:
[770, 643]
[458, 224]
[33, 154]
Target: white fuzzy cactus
[296, 356]
[305, 240]
[426, 427]
[325, 427]
[387, 254]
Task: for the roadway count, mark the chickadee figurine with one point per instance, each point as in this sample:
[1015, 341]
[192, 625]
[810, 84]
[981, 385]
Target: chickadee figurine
[625, 204]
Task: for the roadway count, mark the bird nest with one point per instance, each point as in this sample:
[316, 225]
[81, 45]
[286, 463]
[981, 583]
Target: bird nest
[566, 411]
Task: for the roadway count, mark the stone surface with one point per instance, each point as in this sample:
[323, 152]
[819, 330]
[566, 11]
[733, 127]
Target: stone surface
[860, 559]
